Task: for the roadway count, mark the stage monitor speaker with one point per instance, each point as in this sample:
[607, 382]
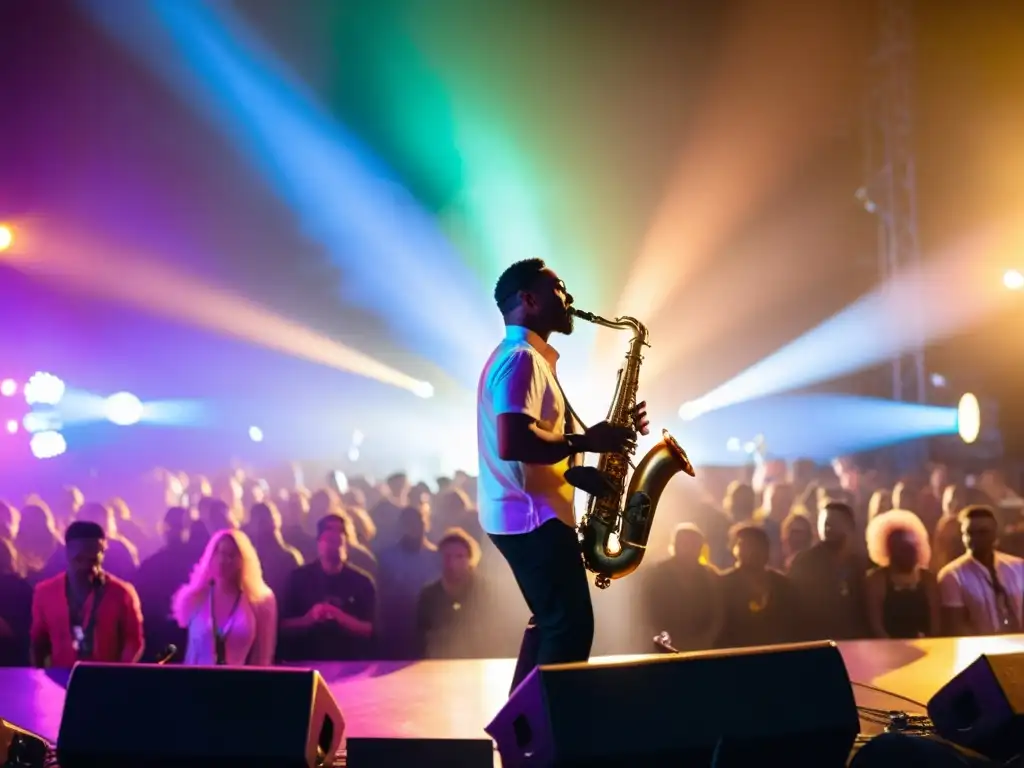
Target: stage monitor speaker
[982, 708]
[149, 716]
[788, 705]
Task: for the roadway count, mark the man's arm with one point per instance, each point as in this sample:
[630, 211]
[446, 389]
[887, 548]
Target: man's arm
[265, 643]
[955, 619]
[40, 648]
[294, 619]
[521, 439]
[134, 638]
[518, 391]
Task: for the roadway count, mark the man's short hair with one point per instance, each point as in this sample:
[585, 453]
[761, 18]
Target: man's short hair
[84, 530]
[978, 512]
[843, 509]
[334, 517]
[751, 532]
[518, 277]
[460, 537]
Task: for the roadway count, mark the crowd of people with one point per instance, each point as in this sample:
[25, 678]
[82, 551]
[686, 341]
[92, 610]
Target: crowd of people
[240, 573]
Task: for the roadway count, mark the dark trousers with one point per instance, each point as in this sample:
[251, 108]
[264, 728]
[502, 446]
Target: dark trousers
[549, 569]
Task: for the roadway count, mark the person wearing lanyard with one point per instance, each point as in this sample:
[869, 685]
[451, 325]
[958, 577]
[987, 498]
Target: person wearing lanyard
[226, 606]
[84, 613]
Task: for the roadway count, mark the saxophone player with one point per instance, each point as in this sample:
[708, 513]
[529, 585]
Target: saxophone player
[527, 440]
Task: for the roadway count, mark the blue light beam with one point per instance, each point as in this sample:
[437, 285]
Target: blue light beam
[397, 260]
[818, 427]
[953, 292]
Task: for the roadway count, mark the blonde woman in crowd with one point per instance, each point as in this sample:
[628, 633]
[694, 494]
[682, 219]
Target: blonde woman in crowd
[228, 609]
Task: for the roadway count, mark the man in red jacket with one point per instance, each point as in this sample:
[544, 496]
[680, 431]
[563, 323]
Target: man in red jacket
[85, 614]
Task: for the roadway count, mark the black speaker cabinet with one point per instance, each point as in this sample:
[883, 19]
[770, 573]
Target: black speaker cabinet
[982, 708]
[787, 705]
[147, 716]
[420, 753]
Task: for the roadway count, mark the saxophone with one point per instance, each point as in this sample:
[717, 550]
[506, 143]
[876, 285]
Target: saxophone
[606, 515]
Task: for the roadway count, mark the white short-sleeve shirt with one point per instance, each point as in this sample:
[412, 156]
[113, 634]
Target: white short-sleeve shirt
[966, 583]
[519, 377]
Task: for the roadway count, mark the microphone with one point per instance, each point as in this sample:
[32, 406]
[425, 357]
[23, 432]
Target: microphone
[167, 654]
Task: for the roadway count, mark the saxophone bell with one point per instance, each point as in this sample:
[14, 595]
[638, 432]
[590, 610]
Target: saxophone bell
[617, 525]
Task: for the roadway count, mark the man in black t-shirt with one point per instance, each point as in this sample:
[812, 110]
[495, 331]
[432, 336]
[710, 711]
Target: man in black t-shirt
[329, 606]
[452, 613]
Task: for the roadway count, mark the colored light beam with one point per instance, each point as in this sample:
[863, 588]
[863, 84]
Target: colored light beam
[80, 407]
[780, 69]
[396, 259]
[956, 290]
[818, 427]
[76, 262]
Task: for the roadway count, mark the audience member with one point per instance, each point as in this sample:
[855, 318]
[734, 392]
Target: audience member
[159, 577]
[330, 606]
[829, 577]
[452, 612]
[982, 591]
[15, 609]
[901, 594]
[759, 603]
[85, 613]
[681, 595]
[226, 606]
[405, 569]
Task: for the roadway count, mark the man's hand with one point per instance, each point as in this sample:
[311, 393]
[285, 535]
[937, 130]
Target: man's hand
[318, 613]
[640, 421]
[335, 614]
[607, 438]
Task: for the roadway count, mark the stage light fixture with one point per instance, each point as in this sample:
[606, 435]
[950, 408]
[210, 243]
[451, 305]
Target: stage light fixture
[8, 387]
[123, 409]
[47, 445]
[44, 389]
[353, 454]
[6, 237]
[256, 434]
[12, 426]
[1013, 279]
[968, 418]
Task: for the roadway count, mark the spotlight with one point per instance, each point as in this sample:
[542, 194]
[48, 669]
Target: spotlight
[8, 387]
[47, 445]
[353, 454]
[123, 409]
[938, 380]
[41, 421]
[256, 434]
[44, 389]
[6, 237]
[968, 418]
[423, 389]
[12, 427]
[733, 445]
[357, 438]
[1013, 279]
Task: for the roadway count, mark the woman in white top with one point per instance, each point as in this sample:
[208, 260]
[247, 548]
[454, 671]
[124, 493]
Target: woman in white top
[229, 611]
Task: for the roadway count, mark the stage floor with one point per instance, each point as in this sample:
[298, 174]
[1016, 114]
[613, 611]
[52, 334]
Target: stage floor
[456, 699]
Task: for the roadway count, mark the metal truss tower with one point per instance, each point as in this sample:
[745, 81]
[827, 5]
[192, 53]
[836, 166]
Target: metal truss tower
[890, 189]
